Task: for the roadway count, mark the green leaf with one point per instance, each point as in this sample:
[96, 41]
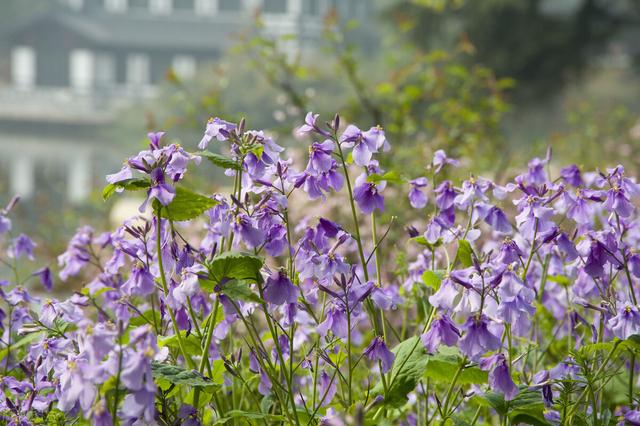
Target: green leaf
[390, 177]
[240, 290]
[179, 376]
[239, 414]
[432, 279]
[191, 342]
[133, 184]
[423, 242]
[235, 265]
[443, 365]
[186, 205]
[29, 338]
[526, 408]
[464, 253]
[560, 279]
[220, 160]
[408, 367]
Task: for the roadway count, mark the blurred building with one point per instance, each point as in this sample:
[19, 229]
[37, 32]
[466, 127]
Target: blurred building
[72, 68]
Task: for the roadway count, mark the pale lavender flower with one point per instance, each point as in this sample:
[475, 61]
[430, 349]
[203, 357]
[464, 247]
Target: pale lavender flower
[378, 351]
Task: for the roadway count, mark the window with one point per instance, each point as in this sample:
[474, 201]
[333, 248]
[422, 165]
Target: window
[204, 7]
[185, 5]
[160, 7]
[139, 5]
[81, 69]
[105, 70]
[138, 70]
[275, 6]
[311, 7]
[229, 5]
[184, 66]
[23, 67]
[115, 6]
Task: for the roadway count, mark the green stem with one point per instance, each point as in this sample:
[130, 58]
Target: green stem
[165, 289]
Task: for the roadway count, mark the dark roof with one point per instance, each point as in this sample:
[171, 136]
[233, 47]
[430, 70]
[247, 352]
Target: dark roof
[191, 33]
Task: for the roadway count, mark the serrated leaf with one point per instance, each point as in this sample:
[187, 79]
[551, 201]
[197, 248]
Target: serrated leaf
[133, 184]
[220, 160]
[186, 205]
[240, 290]
[408, 367]
[234, 265]
[191, 342]
[179, 376]
[526, 408]
[464, 253]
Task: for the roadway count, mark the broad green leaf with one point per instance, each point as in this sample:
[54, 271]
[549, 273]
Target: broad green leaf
[234, 265]
[391, 177]
[29, 338]
[186, 205]
[240, 290]
[526, 408]
[464, 253]
[220, 160]
[423, 242]
[408, 367]
[191, 342]
[432, 279]
[133, 184]
[442, 367]
[179, 376]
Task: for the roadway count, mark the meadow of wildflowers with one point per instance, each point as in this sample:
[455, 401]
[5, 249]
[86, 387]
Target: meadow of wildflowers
[509, 303]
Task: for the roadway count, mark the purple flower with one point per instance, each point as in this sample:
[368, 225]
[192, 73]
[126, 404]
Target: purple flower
[22, 246]
[251, 235]
[440, 159]
[368, 198]
[139, 404]
[320, 160]
[279, 289]
[626, 323]
[188, 416]
[45, 278]
[442, 330]
[336, 321]
[378, 351]
[140, 282]
[477, 339]
[75, 385]
[499, 377]
[310, 125]
[159, 190]
[216, 128]
[571, 175]
[365, 144]
[5, 224]
[417, 198]
[124, 174]
[327, 388]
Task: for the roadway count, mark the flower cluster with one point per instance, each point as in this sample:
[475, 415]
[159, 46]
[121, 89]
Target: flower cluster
[506, 302]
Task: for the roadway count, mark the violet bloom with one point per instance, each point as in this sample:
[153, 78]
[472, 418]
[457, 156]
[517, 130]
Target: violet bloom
[22, 246]
[442, 330]
[279, 289]
[378, 351]
[159, 190]
[477, 339]
[417, 197]
[75, 385]
[251, 235]
[626, 323]
[45, 278]
[571, 175]
[440, 159]
[310, 125]
[139, 404]
[368, 198]
[327, 388]
[336, 321]
[494, 217]
[320, 160]
[216, 128]
[140, 282]
[5, 224]
[365, 144]
[499, 377]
